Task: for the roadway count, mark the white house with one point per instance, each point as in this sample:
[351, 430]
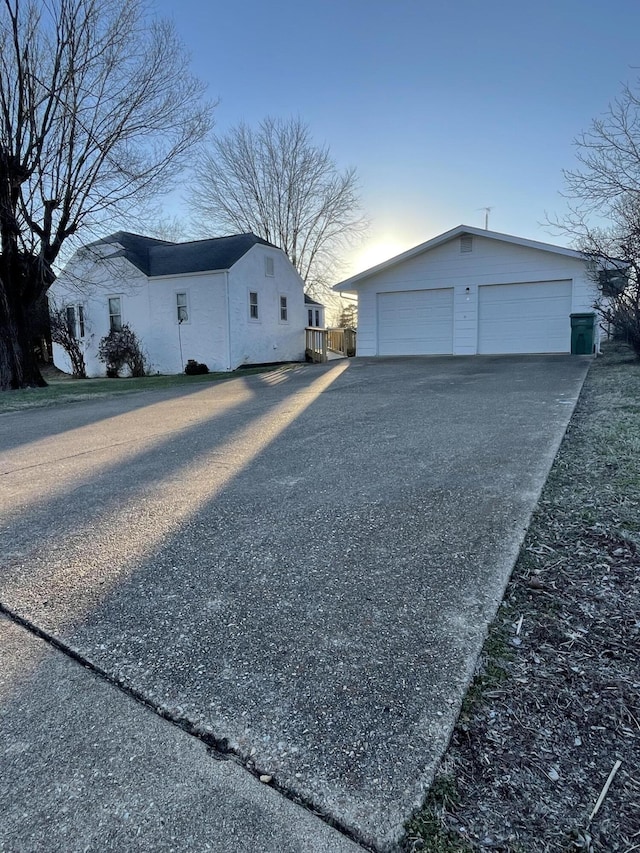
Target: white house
[471, 291]
[315, 312]
[226, 301]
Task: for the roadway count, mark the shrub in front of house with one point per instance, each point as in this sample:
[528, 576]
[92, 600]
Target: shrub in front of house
[194, 367]
[119, 348]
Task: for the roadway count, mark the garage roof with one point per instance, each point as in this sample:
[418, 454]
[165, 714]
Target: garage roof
[350, 283]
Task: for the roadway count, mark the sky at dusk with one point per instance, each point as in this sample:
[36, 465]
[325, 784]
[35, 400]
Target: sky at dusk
[444, 108]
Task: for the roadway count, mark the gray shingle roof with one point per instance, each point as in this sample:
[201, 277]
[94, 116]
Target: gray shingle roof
[160, 257]
[309, 301]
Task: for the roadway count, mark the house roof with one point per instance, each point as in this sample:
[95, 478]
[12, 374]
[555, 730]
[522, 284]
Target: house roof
[160, 257]
[309, 301]
[348, 284]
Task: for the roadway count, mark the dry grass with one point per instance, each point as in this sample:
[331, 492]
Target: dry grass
[556, 701]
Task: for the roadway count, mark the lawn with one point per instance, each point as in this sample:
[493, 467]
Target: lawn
[63, 388]
[554, 711]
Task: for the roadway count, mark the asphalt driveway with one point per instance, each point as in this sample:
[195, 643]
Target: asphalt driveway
[299, 567]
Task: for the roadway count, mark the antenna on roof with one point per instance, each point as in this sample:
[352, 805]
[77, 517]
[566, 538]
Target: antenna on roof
[487, 211]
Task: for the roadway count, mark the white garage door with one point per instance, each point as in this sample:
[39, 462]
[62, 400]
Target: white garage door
[533, 317]
[415, 322]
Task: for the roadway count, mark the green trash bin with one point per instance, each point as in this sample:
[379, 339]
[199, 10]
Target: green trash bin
[583, 328]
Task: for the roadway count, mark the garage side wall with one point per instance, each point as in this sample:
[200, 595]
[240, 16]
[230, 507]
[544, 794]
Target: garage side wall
[490, 262]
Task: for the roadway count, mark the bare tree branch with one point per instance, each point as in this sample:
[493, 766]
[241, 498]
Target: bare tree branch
[605, 188]
[98, 112]
[275, 182]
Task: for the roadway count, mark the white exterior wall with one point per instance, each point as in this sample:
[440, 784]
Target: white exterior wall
[203, 335]
[89, 281]
[217, 305]
[266, 339]
[490, 262]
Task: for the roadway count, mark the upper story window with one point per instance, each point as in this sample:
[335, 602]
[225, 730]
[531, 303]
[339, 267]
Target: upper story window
[269, 266]
[310, 317]
[115, 313]
[253, 305]
[284, 311]
[466, 243]
[182, 307]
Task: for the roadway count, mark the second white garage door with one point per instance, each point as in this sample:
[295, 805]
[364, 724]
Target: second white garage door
[416, 322]
[521, 318]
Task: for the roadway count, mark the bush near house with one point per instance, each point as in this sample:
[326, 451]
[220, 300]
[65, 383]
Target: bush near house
[194, 367]
[119, 348]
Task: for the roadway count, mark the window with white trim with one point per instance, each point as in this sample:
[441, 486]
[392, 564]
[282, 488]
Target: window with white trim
[75, 320]
[115, 313]
[284, 310]
[182, 307]
[71, 320]
[253, 305]
[269, 266]
[310, 317]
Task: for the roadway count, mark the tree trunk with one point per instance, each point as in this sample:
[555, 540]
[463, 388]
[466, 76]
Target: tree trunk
[18, 366]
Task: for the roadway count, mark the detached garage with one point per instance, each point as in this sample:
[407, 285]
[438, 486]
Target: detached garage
[470, 292]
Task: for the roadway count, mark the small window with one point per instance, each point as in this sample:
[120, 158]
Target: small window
[268, 266]
[253, 305]
[310, 316]
[466, 243]
[71, 321]
[75, 320]
[181, 307]
[317, 317]
[283, 309]
[115, 313]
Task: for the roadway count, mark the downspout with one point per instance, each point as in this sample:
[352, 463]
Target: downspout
[226, 275]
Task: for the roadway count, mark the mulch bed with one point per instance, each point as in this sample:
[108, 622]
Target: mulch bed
[554, 711]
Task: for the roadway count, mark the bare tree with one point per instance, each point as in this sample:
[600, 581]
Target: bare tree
[64, 332]
[604, 211]
[278, 184]
[97, 114]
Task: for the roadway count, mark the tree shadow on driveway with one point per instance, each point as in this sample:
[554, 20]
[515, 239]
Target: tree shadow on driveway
[309, 577]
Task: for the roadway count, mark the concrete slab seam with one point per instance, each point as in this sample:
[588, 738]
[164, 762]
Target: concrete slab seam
[218, 749]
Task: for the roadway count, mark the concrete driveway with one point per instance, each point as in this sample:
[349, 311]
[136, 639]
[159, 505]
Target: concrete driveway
[298, 568]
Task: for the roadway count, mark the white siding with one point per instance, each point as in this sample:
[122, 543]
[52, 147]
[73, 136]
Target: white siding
[266, 339]
[203, 335]
[217, 306]
[491, 262]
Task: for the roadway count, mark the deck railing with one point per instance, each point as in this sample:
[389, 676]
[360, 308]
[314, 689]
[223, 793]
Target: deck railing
[316, 344]
[320, 342]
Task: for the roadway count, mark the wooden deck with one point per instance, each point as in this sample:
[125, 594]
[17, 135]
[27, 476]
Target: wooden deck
[325, 344]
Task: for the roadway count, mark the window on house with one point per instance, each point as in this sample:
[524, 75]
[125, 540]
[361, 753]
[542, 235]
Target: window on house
[115, 313]
[253, 305]
[283, 309]
[317, 317]
[71, 320]
[181, 307]
[268, 266]
[310, 317]
[466, 242]
[75, 320]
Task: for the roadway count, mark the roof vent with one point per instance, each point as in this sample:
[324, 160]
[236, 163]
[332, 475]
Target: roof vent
[466, 243]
